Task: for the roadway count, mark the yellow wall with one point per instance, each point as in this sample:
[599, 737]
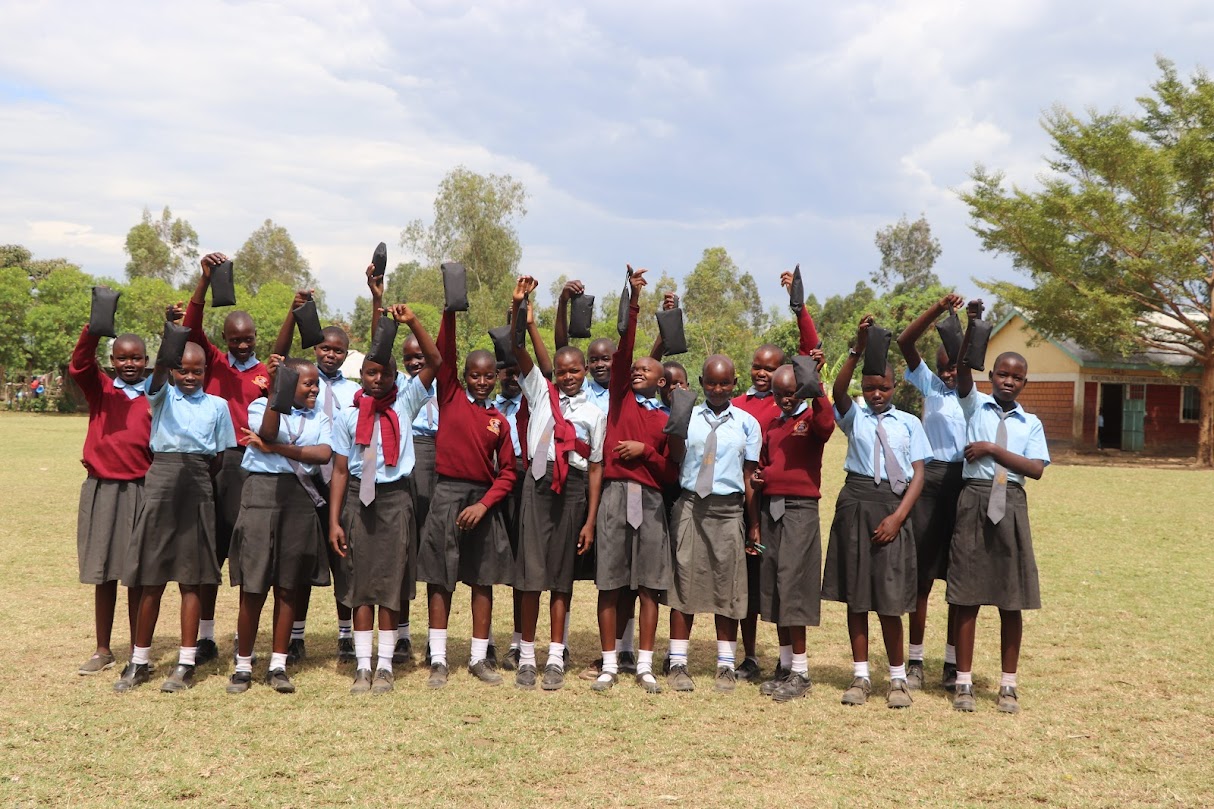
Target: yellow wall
[1044, 357]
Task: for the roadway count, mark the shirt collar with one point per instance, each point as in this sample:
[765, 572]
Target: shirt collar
[242, 366]
[485, 404]
[703, 407]
[1017, 411]
[651, 404]
[504, 400]
[868, 411]
[753, 393]
[801, 409]
[337, 377]
[132, 391]
[593, 387]
[575, 400]
[193, 397]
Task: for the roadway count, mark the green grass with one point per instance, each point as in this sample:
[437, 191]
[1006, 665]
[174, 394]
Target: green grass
[1114, 707]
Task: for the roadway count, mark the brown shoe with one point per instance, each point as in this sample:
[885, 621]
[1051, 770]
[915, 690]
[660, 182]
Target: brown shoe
[279, 681]
[383, 681]
[483, 671]
[96, 664]
[963, 699]
[1009, 700]
[679, 679]
[438, 675]
[857, 693]
[914, 675]
[898, 695]
[726, 681]
[592, 671]
[180, 679]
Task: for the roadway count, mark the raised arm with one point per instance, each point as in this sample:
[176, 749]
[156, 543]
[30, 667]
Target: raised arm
[83, 368]
[822, 424]
[843, 380]
[965, 374]
[286, 332]
[447, 373]
[542, 358]
[193, 312]
[267, 429]
[401, 313]
[806, 329]
[522, 288]
[669, 301]
[561, 329]
[911, 334]
[621, 361]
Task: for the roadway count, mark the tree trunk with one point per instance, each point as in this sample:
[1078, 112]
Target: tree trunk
[1205, 424]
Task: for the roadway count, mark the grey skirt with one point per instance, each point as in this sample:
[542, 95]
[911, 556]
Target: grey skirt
[993, 564]
[933, 519]
[104, 526]
[229, 484]
[380, 539]
[549, 525]
[862, 574]
[626, 556]
[277, 541]
[709, 545]
[423, 478]
[448, 555]
[510, 506]
[790, 576]
[174, 534]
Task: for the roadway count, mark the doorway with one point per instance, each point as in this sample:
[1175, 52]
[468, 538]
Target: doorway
[1112, 399]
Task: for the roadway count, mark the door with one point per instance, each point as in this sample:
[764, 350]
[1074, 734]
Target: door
[1133, 419]
[1112, 397]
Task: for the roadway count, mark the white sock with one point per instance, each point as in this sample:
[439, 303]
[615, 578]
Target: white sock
[645, 661]
[438, 647]
[950, 653]
[727, 651]
[141, 655]
[516, 640]
[859, 669]
[278, 660]
[188, 654]
[206, 629]
[402, 631]
[387, 643]
[786, 656]
[611, 663]
[624, 642]
[1007, 680]
[297, 630]
[244, 664]
[363, 641]
[480, 649]
[526, 653]
[556, 655]
[965, 678]
[897, 672]
[800, 663]
[565, 637]
[345, 628]
[915, 652]
[678, 652]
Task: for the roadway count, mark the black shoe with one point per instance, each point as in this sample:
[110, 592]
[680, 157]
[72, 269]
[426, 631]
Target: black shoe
[914, 675]
[491, 656]
[279, 681]
[605, 682]
[510, 661]
[181, 679]
[554, 678]
[525, 678]
[648, 682]
[402, 654]
[240, 682]
[778, 679]
[949, 680]
[438, 675]
[628, 663]
[133, 676]
[963, 698]
[345, 650]
[794, 686]
[749, 670]
[362, 682]
[296, 651]
[205, 652]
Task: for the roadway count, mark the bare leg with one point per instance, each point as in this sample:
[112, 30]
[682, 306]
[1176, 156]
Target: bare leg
[796, 638]
[190, 610]
[857, 630]
[482, 610]
[207, 593]
[649, 619]
[680, 625]
[284, 617]
[891, 633]
[918, 618]
[364, 618]
[439, 606]
[105, 599]
[750, 634]
[1011, 631]
[558, 608]
[727, 628]
[247, 621]
[528, 611]
[608, 616]
[967, 625]
[149, 612]
[387, 619]
[132, 608]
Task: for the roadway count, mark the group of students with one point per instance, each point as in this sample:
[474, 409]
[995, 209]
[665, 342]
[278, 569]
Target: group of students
[585, 466]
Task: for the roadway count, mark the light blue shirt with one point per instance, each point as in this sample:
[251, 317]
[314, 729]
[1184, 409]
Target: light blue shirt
[426, 422]
[134, 391]
[905, 433]
[303, 428]
[509, 409]
[242, 366]
[409, 399]
[199, 424]
[651, 404]
[739, 440]
[943, 420]
[597, 395]
[339, 387]
[1025, 435]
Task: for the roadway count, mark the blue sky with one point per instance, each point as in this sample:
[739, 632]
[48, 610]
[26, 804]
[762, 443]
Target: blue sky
[644, 132]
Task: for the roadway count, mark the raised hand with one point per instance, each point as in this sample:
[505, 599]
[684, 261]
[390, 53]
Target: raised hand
[174, 313]
[974, 308]
[375, 283]
[210, 261]
[572, 289]
[670, 301]
[862, 332]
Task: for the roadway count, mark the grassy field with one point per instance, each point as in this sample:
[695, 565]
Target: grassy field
[1114, 712]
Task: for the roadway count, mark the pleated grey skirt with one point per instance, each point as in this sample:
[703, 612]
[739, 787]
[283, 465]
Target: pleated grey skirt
[278, 540]
[174, 534]
[626, 556]
[423, 478]
[790, 574]
[229, 485]
[104, 526]
[862, 574]
[448, 555]
[933, 519]
[993, 564]
[709, 545]
[380, 539]
[549, 525]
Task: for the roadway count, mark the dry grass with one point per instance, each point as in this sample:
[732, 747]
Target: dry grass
[1113, 714]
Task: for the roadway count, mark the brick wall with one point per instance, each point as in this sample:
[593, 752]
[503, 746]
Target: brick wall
[1091, 392]
[1052, 402]
[1163, 428]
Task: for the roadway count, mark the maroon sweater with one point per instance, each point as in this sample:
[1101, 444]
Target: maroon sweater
[629, 420]
[469, 436]
[764, 408]
[116, 444]
[791, 459]
[237, 388]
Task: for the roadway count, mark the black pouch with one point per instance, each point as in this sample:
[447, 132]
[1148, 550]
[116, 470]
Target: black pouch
[503, 344]
[581, 315]
[876, 352]
[381, 346]
[282, 398]
[621, 320]
[796, 295]
[809, 384]
[682, 402]
[520, 327]
[223, 285]
[308, 323]
[101, 315]
[455, 287]
[670, 326]
[980, 335]
[172, 345]
[379, 261]
[949, 329]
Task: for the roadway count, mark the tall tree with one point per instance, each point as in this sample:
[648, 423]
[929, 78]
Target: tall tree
[724, 312]
[1119, 240]
[269, 254]
[908, 253]
[163, 248]
[52, 323]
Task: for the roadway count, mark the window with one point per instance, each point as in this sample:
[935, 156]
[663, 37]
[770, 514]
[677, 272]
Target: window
[1190, 403]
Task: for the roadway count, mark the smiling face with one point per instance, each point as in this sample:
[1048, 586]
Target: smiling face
[766, 360]
[308, 386]
[676, 379]
[718, 380]
[129, 357]
[331, 353]
[647, 377]
[240, 334]
[784, 388]
[507, 377]
[570, 370]
[1008, 376]
[188, 378]
[377, 380]
[598, 360]
[480, 374]
[945, 370]
[411, 355]
[878, 390]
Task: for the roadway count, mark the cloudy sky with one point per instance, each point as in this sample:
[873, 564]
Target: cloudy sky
[644, 132]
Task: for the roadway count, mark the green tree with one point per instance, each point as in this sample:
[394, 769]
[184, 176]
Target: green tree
[62, 297]
[163, 248]
[724, 313]
[908, 253]
[1118, 240]
[15, 300]
[270, 255]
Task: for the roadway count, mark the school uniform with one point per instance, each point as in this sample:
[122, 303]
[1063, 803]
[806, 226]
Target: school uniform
[707, 526]
[517, 414]
[336, 394]
[790, 581]
[174, 536]
[562, 442]
[993, 563]
[632, 542]
[475, 463]
[862, 574]
[935, 512]
[423, 477]
[239, 384]
[278, 540]
[117, 456]
[381, 534]
[597, 395]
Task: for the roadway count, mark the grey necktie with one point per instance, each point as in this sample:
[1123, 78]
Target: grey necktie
[775, 507]
[303, 477]
[431, 414]
[366, 486]
[539, 461]
[708, 463]
[326, 471]
[997, 506]
[634, 503]
[893, 469]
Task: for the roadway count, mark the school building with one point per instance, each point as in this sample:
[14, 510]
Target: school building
[1150, 402]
